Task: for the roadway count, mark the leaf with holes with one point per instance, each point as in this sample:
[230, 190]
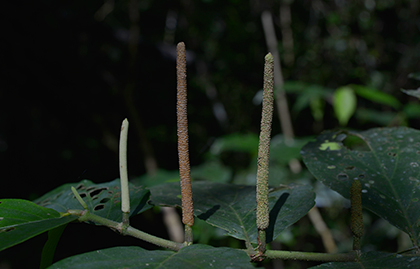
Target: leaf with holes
[386, 161]
[194, 256]
[374, 260]
[232, 207]
[21, 220]
[103, 199]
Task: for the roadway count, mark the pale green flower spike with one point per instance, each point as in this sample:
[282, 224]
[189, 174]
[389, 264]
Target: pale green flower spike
[125, 195]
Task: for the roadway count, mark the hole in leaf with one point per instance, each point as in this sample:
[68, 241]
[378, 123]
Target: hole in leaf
[353, 142]
[361, 176]
[98, 207]
[342, 176]
[80, 187]
[96, 192]
[83, 195]
[351, 167]
[90, 188]
[103, 201]
[5, 230]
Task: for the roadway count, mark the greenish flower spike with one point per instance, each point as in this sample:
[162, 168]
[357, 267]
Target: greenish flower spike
[125, 195]
[264, 147]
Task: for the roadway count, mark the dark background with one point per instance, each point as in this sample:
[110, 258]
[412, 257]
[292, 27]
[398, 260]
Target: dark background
[71, 71]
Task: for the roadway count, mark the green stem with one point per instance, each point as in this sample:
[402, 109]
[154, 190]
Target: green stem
[188, 235]
[306, 256]
[79, 198]
[87, 216]
[310, 256]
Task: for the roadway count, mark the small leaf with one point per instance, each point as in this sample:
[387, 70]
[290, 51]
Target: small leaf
[375, 260]
[344, 104]
[232, 207]
[21, 220]
[103, 199]
[194, 256]
[388, 166]
[415, 93]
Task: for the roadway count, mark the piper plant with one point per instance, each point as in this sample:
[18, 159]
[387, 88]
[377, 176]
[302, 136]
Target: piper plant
[385, 179]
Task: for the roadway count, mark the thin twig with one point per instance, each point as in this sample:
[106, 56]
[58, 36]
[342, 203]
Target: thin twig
[281, 100]
[183, 153]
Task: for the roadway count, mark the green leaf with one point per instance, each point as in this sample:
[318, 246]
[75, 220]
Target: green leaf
[379, 117]
[212, 171]
[21, 220]
[282, 151]
[236, 142]
[161, 176]
[344, 104]
[49, 247]
[374, 95]
[387, 164]
[194, 256]
[232, 207]
[375, 260]
[309, 93]
[103, 199]
[412, 110]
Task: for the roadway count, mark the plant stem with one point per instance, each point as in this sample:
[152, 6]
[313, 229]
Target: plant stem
[183, 154]
[310, 256]
[264, 152]
[87, 216]
[79, 198]
[125, 193]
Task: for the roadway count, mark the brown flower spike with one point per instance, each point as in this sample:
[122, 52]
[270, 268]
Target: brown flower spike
[183, 154]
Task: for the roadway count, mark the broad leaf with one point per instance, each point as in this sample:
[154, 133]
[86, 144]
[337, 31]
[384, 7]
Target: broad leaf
[103, 199]
[21, 220]
[375, 260]
[388, 168]
[232, 207]
[195, 256]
